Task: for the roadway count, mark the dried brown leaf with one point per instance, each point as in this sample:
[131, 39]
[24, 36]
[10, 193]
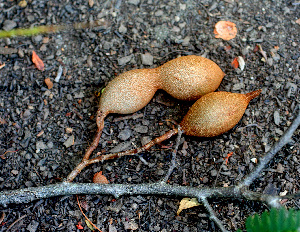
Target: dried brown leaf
[225, 30]
[39, 64]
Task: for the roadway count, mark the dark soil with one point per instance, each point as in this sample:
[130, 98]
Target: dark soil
[36, 122]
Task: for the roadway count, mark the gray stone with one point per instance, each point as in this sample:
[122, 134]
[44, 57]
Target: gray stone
[79, 95]
[9, 25]
[112, 228]
[122, 29]
[213, 172]
[69, 142]
[124, 134]
[134, 2]
[124, 60]
[40, 145]
[186, 41]
[276, 118]
[121, 147]
[141, 129]
[38, 38]
[147, 59]
[32, 227]
[159, 13]
[238, 86]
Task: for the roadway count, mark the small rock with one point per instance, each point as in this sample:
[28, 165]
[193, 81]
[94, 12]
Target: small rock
[177, 18]
[292, 88]
[70, 141]
[112, 228]
[9, 25]
[43, 48]
[122, 29]
[89, 61]
[134, 2]
[141, 129]
[40, 145]
[26, 114]
[276, 118]
[124, 134]
[145, 140]
[186, 41]
[147, 59]
[50, 145]
[159, 13]
[21, 53]
[15, 172]
[238, 86]
[280, 168]
[124, 60]
[121, 147]
[213, 172]
[38, 38]
[32, 227]
[79, 95]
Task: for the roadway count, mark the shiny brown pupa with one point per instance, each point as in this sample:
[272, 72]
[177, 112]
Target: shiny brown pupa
[216, 113]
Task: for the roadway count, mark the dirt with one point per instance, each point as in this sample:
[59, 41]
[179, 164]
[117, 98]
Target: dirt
[44, 132]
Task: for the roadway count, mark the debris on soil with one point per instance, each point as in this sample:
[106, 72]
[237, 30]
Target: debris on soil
[225, 30]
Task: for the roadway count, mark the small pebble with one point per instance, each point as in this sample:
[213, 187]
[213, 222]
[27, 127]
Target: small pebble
[122, 29]
[40, 145]
[276, 118]
[9, 25]
[134, 2]
[124, 60]
[141, 129]
[70, 141]
[147, 59]
[213, 172]
[124, 134]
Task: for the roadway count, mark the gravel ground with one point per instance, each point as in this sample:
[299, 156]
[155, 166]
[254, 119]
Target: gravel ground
[44, 132]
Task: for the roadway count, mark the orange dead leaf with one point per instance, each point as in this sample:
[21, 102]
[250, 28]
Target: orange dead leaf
[2, 65]
[79, 226]
[228, 155]
[235, 63]
[298, 21]
[225, 30]
[37, 61]
[100, 179]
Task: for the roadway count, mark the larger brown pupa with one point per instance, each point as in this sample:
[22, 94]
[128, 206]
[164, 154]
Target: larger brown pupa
[190, 77]
[216, 113]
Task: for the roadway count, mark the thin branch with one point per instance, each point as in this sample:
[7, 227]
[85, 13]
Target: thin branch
[285, 138]
[86, 162]
[173, 161]
[26, 195]
[212, 214]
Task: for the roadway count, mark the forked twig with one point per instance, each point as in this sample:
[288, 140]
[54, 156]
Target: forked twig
[173, 161]
[286, 137]
[86, 161]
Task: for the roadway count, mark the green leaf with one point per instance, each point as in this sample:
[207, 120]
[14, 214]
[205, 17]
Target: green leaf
[277, 220]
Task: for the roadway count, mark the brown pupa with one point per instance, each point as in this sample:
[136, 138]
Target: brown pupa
[216, 113]
[190, 77]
